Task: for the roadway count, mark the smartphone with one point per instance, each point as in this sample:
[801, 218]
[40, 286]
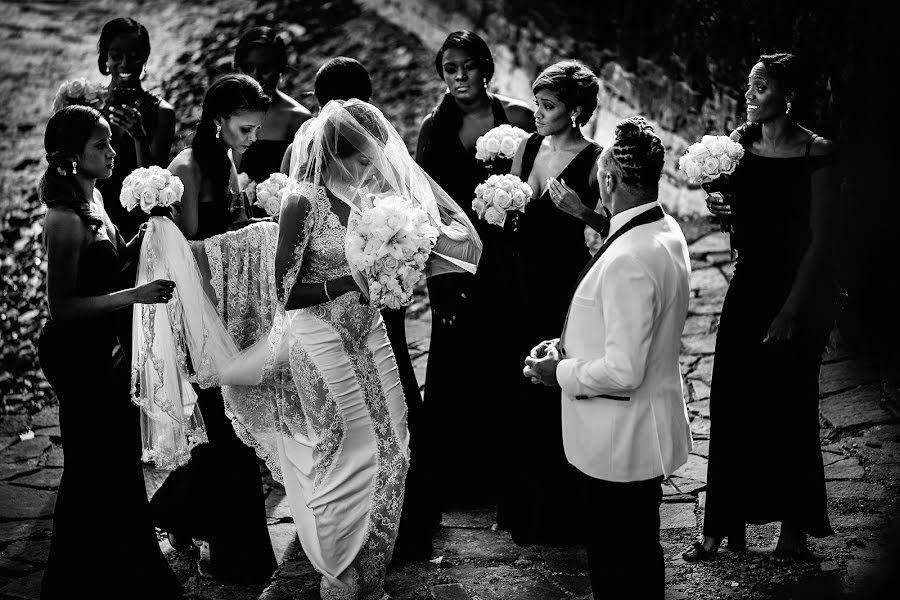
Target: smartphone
[122, 96]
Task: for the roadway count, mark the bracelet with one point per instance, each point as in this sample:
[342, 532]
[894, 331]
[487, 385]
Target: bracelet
[327, 295]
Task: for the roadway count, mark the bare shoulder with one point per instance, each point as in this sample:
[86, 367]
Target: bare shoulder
[64, 225]
[822, 147]
[427, 122]
[184, 161]
[519, 113]
[165, 109]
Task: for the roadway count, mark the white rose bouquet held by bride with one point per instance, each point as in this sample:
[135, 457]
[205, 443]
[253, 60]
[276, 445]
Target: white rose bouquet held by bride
[271, 192]
[79, 91]
[501, 141]
[706, 161]
[151, 188]
[388, 241]
[500, 195]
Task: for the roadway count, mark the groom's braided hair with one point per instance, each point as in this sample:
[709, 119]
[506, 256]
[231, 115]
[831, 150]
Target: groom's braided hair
[638, 152]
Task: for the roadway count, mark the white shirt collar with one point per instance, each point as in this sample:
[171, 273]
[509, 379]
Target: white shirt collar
[618, 220]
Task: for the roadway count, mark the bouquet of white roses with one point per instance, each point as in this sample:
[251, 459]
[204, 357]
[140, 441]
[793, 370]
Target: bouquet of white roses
[710, 158]
[271, 192]
[389, 241]
[499, 195]
[150, 187]
[79, 91]
[502, 141]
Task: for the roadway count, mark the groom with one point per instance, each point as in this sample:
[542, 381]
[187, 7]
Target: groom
[625, 425]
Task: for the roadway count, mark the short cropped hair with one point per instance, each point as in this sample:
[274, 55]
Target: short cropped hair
[573, 83]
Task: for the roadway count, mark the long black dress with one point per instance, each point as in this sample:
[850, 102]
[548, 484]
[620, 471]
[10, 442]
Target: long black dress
[217, 496]
[469, 323]
[126, 162]
[540, 491]
[771, 212]
[101, 498]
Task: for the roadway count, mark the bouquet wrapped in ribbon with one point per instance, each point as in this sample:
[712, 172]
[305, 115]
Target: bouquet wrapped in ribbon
[388, 241]
[500, 195]
[79, 91]
[271, 192]
[501, 141]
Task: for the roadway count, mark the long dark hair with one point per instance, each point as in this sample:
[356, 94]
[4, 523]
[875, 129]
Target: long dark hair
[66, 136]
[116, 27]
[227, 95]
[266, 37]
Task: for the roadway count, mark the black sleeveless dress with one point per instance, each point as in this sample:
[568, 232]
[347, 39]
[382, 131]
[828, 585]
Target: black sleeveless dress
[768, 386]
[539, 504]
[126, 162]
[469, 322]
[217, 496]
[101, 498]
[263, 158]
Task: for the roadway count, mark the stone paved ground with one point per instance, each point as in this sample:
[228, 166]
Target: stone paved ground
[860, 444]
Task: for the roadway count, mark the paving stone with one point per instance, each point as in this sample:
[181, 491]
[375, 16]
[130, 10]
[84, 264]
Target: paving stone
[703, 369]
[54, 458]
[45, 479]
[678, 515]
[716, 242]
[839, 376]
[699, 389]
[475, 544]
[213, 590]
[701, 448]
[51, 432]
[830, 457]
[855, 489]
[699, 344]
[419, 366]
[34, 553]
[15, 569]
[503, 582]
[694, 468]
[25, 503]
[708, 279]
[700, 407]
[47, 417]
[285, 542]
[699, 324]
[450, 591]
[720, 258]
[680, 486]
[727, 270]
[700, 428]
[13, 425]
[292, 589]
[418, 333]
[709, 303]
[7, 440]
[25, 588]
[25, 450]
[847, 468]
[854, 408]
[8, 470]
[11, 531]
[859, 521]
[886, 472]
[277, 505]
[481, 518]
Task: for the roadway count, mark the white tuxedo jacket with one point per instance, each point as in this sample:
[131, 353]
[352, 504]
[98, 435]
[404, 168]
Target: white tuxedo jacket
[623, 412]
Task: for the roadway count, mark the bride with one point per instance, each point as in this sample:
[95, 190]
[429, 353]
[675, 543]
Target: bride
[319, 398]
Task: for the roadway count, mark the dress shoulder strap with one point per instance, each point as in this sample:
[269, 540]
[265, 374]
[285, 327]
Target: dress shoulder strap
[809, 144]
[532, 145]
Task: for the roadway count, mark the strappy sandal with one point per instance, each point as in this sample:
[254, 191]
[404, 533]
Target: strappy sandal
[698, 553]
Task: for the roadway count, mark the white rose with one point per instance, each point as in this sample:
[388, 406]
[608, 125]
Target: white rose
[508, 146]
[479, 206]
[127, 199]
[488, 195]
[389, 265]
[492, 145]
[735, 151]
[480, 154]
[693, 171]
[396, 220]
[495, 216]
[262, 196]
[718, 145]
[176, 184]
[273, 206]
[707, 140]
[502, 200]
[519, 199]
[148, 198]
[505, 184]
[167, 197]
[725, 163]
[710, 167]
[479, 190]
[158, 181]
[77, 88]
[700, 154]
[492, 180]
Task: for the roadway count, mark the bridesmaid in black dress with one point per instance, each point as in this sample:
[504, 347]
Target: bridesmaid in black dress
[143, 124]
[775, 323]
[217, 496]
[549, 250]
[463, 305]
[101, 495]
[261, 54]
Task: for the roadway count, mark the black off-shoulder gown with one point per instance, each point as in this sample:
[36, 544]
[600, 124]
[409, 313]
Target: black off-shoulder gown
[771, 387]
[101, 505]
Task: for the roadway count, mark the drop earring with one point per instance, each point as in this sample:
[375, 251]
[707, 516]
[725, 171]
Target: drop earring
[74, 168]
[218, 130]
[574, 124]
[788, 110]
